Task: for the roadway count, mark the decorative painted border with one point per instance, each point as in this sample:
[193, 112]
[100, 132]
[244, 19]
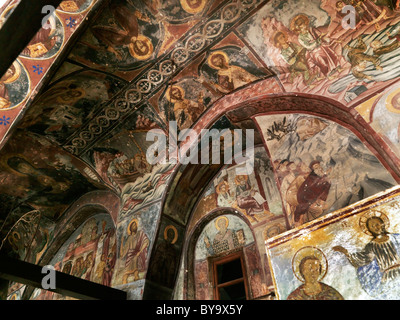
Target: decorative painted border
[205, 35]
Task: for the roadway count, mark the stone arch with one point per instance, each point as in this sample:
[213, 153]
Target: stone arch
[190, 245]
[87, 206]
[262, 97]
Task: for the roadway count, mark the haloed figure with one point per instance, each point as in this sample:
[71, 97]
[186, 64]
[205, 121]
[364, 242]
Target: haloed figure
[378, 264]
[230, 77]
[310, 266]
[134, 249]
[295, 56]
[186, 111]
[193, 6]
[11, 75]
[139, 46]
[320, 54]
[312, 195]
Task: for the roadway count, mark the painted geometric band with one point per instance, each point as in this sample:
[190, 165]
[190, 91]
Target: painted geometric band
[156, 76]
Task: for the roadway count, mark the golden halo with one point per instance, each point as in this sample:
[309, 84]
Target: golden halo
[6, 104]
[190, 9]
[209, 60]
[147, 41]
[221, 218]
[270, 229]
[16, 74]
[171, 227]
[303, 17]
[5, 12]
[81, 91]
[168, 94]
[238, 178]
[276, 35]
[4, 163]
[130, 223]
[309, 252]
[14, 297]
[370, 214]
[392, 102]
[15, 235]
[219, 186]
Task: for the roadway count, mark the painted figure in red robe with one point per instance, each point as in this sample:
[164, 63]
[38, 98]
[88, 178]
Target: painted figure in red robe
[312, 195]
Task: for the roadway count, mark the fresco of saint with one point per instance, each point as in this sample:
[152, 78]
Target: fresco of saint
[317, 44]
[126, 34]
[312, 195]
[230, 77]
[43, 41]
[193, 6]
[11, 75]
[378, 264]
[295, 56]
[134, 251]
[186, 111]
[166, 258]
[245, 197]
[225, 239]
[310, 267]
[224, 195]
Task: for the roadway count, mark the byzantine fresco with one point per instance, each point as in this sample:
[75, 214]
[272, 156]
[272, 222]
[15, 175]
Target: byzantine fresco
[321, 166]
[188, 182]
[194, 180]
[90, 253]
[179, 11]
[255, 195]
[135, 236]
[382, 113]
[47, 41]
[228, 68]
[373, 58]
[68, 103]
[221, 235]
[166, 254]
[75, 6]
[306, 44]
[121, 161]
[303, 42]
[14, 86]
[353, 256]
[201, 83]
[29, 236]
[184, 101]
[25, 76]
[15, 291]
[125, 36]
[38, 175]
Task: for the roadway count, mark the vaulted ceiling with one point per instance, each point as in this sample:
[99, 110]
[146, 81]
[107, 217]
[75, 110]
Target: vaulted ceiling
[88, 88]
